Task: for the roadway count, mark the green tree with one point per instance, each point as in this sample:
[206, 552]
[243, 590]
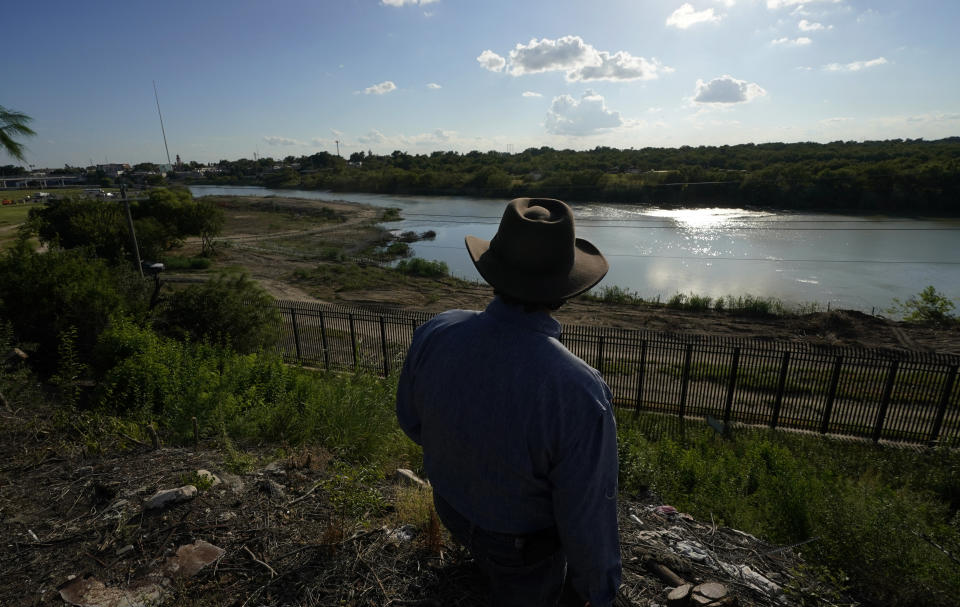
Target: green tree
[927, 306]
[225, 311]
[46, 296]
[13, 124]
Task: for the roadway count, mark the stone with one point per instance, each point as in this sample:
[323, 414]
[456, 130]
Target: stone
[710, 593]
[408, 478]
[168, 497]
[191, 558]
[679, 596]
[231, 481]
[91, 592]
[273, 488]
[209, 476]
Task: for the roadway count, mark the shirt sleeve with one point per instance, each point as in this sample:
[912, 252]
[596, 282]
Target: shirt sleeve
[585, 507]
[407, 415]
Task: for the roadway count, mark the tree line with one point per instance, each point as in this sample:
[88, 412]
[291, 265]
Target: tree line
[893, 176]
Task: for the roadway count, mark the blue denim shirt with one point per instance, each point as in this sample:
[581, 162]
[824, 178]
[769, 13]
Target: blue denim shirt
[518, 434]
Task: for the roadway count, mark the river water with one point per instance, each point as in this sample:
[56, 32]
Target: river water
[853, 262]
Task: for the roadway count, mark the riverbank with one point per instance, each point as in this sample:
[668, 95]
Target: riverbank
[282, 246]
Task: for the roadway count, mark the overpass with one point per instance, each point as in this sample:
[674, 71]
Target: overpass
[32, 182]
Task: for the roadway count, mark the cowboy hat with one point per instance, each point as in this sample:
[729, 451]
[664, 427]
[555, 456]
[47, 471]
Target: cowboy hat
[534, 256]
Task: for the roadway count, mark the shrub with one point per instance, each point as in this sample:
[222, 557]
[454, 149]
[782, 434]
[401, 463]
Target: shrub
[422, 267]
[46, 295]
[223, 310]
[929, 306]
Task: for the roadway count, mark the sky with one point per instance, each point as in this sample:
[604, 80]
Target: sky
[294, 77]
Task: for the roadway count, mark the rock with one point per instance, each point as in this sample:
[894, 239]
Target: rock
[679, 596]
[711, 593]
[273, 488]
[167, 497]
[191, 558]
[228, 516]
[408, 478]
[209, 476]
[231, 481]
[91, 592]
[275, 468]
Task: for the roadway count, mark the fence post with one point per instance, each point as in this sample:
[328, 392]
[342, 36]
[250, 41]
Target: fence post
[731, 386]
[685, 380]
[781, 384]
[831, 395]
[643, 365]
[887, 392]
[323, 338]
[383, 343]
[296, 331]
[600, 354]
[944, 399]
[353, 343]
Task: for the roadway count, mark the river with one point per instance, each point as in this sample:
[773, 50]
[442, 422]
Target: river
[853, 262]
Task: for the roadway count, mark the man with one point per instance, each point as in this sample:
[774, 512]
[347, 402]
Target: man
[518, 434]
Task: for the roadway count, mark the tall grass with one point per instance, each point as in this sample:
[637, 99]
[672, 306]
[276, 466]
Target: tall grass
[869, 508]
[253, 397]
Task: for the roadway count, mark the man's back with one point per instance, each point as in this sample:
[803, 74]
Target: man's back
[518, 433]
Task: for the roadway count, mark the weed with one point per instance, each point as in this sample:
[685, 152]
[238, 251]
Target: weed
[423, 267]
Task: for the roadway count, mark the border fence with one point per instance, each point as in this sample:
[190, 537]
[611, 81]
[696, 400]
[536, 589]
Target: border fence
[877, 394]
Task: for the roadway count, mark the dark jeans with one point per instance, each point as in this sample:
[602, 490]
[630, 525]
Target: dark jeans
[524, 570]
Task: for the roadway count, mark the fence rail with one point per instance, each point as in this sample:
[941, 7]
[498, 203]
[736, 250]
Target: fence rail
[877, 394]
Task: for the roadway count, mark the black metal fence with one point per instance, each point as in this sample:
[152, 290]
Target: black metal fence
[878, 394]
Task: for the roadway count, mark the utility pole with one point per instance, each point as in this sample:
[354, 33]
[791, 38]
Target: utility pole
[337, 141]
[133, 233]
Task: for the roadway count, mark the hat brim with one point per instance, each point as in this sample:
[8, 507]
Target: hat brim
[589, 267]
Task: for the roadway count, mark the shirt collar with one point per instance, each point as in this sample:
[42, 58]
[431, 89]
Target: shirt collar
[541, 322]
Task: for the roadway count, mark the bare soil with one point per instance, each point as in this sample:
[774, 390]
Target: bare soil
[70, 513]
[250, 220]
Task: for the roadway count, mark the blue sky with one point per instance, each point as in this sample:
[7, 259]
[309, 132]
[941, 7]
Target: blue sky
[291, 77]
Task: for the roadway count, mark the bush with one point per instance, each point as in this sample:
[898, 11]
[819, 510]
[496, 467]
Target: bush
[422, 267]
[148, 377]
[928, 306]
[45, 295]
[224, 311]
[867, 508]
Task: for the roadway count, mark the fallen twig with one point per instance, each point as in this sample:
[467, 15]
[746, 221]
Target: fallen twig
[312, 489]
[256, 560]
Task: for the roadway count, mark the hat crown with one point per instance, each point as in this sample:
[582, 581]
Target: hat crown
[536, 235]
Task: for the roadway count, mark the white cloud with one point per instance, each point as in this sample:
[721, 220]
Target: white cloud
[380, 89]
[562, 54]
[372, 136]
[854, 66]
[801, 41]
[406, 2]
[491, 61]
[686, 15]
[725, 90]
[835, 121]
[810, 26]
[581, 61]
[434, 86]
[775, 4]
[588, 116]
[275, 140]
[531, 94]
[619, 66]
